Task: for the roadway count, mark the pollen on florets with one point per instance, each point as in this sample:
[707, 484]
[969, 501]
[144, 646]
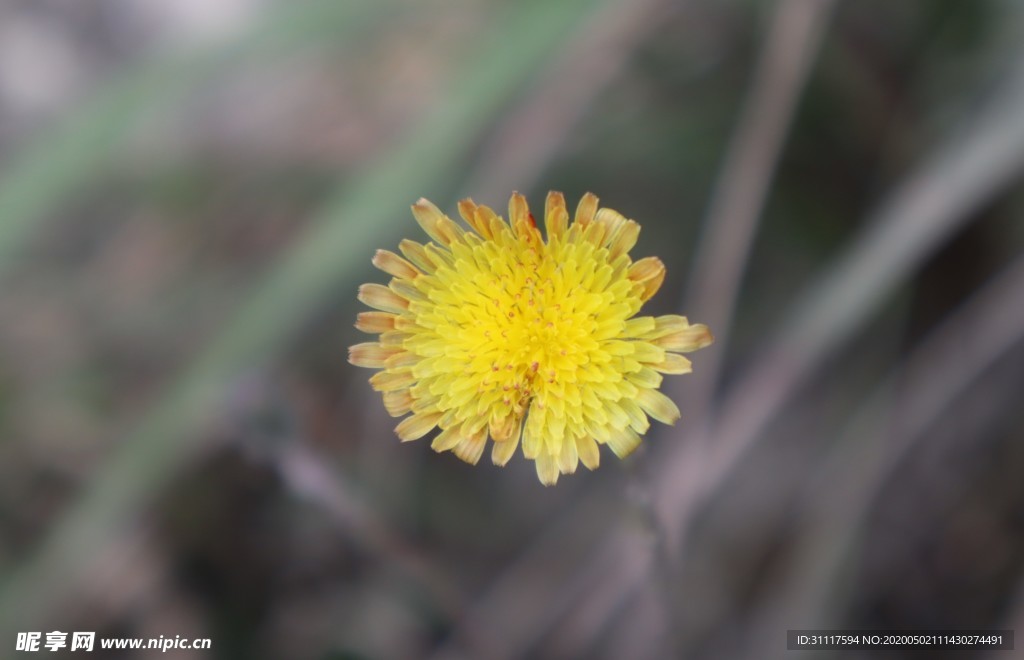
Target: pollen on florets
[495, 332]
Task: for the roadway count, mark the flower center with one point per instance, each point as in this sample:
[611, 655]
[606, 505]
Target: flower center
[522, 322]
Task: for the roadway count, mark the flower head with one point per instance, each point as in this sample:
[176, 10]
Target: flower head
[495, 332]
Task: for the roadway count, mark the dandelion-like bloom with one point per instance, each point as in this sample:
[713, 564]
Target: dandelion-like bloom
[494, 331]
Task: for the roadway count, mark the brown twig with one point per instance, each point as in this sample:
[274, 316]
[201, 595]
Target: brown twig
[535, 128]
[306, 476]
[917, 217]
[734, 212]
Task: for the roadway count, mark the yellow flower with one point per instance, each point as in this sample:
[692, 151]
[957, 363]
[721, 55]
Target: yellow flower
[494, 331]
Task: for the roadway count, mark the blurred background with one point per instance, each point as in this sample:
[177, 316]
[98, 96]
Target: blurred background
[191, 192]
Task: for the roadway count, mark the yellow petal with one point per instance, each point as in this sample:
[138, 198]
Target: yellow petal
[610, 219]
[446, 439]
[644, 351]
[646, 269]
[398, 402]
[380, 297]
[651, 286]
[403, 359]
[693, 338]
[391, 380]
[371, 354]
[637, 419]
[467, 209]
[645, 378]
[438, 256]
[588, 451]
[568, 459]
[674, 364]
[594, 233]
[518, 210]
[392, 264]
[586, 210]
[375, 322]
[471, 448]
[417, 254]
[438, 226]
[406, 289]
[486, 222]
[639, 327]
[623, 240]
[624, 442]
[666, 325]
[425, 403]
[547, 469]
[394, 338]
[556, 217]
[417, 426]
[502, 451]
[505, 427]
[533, 437]
[498, 226]
[658, 406]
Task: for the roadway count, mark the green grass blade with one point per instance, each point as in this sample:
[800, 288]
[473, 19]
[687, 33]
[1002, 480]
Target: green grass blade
[69, 157]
